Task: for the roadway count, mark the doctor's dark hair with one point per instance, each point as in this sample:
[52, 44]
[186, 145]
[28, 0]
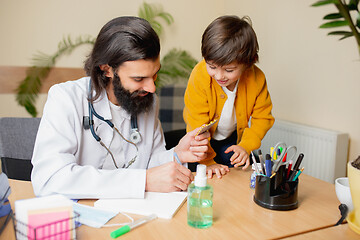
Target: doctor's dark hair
[228, 39]
[121, 39]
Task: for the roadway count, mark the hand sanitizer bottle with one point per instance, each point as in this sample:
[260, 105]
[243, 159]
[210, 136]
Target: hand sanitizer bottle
[200, 200]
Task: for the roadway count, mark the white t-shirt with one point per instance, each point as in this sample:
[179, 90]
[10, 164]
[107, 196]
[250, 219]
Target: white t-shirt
[227, 121]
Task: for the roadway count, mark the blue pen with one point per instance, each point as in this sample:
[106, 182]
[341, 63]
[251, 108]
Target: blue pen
[268, 166]
[177, 158]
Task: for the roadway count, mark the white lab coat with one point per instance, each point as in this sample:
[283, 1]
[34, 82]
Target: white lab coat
[68, 160]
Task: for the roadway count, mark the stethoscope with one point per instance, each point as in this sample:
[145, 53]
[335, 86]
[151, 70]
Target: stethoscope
[135, 136]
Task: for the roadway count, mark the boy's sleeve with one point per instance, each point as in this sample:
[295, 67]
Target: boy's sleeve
[261, 117]
[196, 110]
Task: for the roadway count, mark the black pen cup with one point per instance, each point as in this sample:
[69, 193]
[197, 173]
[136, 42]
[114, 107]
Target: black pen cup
[276, 193]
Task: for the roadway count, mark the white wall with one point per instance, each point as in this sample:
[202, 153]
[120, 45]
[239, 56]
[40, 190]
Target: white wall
[39, 25]
[313, 78]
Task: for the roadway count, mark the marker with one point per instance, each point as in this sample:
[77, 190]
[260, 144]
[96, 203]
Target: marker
[297, 165]
[298, 173]
[272, 153]
[268, 165]
[289, 169]
[127, 228]
[261, 161]
[255, 163]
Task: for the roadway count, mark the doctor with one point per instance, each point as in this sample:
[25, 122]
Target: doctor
[100, 136]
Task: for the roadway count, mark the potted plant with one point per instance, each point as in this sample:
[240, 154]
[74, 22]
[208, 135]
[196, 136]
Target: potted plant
[354, 182]
[347, 15]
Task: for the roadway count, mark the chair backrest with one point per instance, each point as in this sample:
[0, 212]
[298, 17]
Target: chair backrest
[17, 139]
[171, 106]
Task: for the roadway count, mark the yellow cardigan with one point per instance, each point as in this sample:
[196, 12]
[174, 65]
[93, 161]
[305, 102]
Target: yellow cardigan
[204, 101]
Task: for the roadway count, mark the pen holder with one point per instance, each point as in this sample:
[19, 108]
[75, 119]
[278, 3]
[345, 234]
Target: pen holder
[276, 193]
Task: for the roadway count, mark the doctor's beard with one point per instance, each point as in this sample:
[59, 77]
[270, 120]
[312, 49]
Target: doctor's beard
[132, 102]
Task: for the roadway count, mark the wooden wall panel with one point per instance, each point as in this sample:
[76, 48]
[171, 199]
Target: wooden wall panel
[11, 76]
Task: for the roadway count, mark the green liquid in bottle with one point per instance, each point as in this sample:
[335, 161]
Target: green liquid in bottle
[200, 206]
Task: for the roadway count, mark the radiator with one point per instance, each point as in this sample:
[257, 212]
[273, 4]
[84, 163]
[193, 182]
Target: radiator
[325, 151]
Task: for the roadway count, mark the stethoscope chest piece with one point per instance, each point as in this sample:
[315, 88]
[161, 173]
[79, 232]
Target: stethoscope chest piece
[135, 136]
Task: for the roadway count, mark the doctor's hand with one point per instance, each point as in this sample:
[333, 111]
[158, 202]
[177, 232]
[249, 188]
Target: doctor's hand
[192, 148]
[168, 177]
[240, 156]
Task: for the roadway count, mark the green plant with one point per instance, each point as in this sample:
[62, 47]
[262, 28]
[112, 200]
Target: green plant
[176, 65]
[29, 88]
[347, 15]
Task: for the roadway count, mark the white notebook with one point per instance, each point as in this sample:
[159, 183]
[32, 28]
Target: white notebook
[164, 205]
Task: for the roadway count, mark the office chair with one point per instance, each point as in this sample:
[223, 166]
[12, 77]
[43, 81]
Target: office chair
[17, 139]
[172, 139]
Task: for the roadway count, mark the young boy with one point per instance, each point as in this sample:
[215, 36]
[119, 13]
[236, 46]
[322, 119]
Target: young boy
[227, 85]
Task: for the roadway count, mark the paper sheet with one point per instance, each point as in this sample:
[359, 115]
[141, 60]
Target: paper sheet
[25, 206]
[50, 222]
[164, 205]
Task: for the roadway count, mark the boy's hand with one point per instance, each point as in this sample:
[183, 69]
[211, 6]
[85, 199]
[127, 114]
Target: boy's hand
[218, 169]
[240, 156]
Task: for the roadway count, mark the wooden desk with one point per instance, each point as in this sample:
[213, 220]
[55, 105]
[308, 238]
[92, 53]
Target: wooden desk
[342, 231]
[235, 213]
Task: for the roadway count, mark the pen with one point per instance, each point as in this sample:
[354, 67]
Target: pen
[255, 163]
[127, 228]
[268, 165]
[297, 165]
[261, 161]
[298, 173]
[177, 158]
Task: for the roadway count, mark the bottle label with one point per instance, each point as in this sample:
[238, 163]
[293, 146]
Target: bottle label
[253, 180]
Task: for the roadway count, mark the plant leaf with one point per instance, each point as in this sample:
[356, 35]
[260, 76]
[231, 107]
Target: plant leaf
[29, 88]
[334, 24]
[152, 13]
[345, 37]
[176, 67]
[353, 5]
[166, 17]
[345, 33]
[323, 2]
[358, 21]
[333, 16]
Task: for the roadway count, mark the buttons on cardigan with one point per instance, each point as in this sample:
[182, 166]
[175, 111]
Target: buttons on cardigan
[222, 96]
